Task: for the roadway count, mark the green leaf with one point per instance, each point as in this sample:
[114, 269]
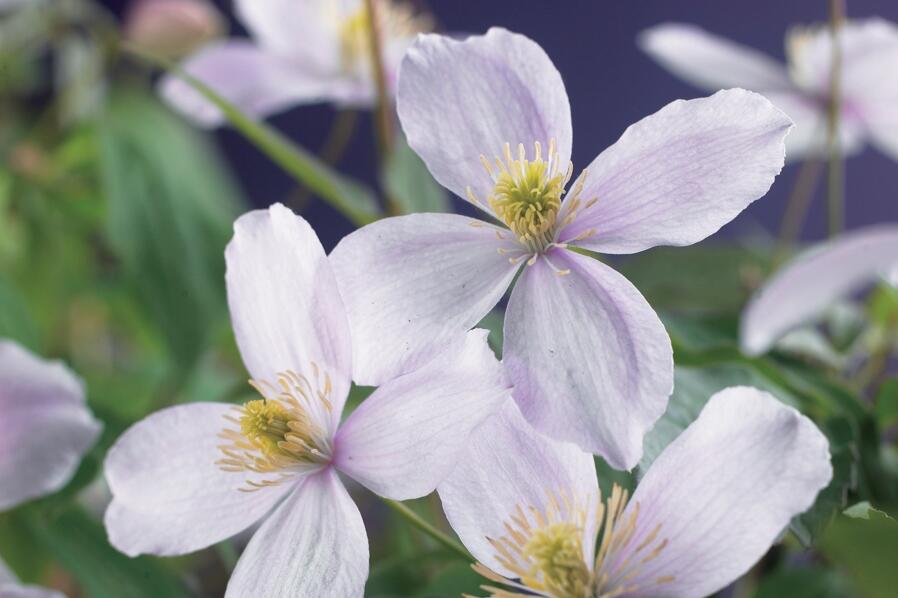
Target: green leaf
[15, 319]
[887, 403]
[352, 199]
[408, 182]
[81, 547]
[864, 510]
[171, 208]
[809, 582]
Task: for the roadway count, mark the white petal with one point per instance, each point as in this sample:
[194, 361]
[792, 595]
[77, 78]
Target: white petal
[590, 361]
[285, 305]
[307, 31]
[724, 490]
[413, 283]
[313, 545]
[816, 279]
[710, 61]
[508, 464]
[45, 427]
[256, 81]
[20, 591]
[407, 436]
[170, 497]
[459, 100]
[677, 176]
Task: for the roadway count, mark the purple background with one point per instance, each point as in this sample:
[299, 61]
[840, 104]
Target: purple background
[611, 84]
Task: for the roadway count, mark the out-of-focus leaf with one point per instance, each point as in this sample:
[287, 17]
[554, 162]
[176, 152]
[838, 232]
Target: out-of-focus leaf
[699, 279]
[15, 319]
[352, 199]
[79, 544]
[408, 182]
[80, 82]
[863, 542]
[457, 579]
[494, 322]
[808, 582]
[887, 403]
[170, 213]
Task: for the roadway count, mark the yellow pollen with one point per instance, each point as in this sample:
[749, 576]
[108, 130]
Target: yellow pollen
[281, 434]
[543, 549]
[396, 20]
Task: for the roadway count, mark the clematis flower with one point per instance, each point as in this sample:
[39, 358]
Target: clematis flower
[802, 290]
[39, 400]
[11, 588]
[590, 361]
[172, 28]
[302, 52]
[530, 511]
[869, 78]
[192, 475]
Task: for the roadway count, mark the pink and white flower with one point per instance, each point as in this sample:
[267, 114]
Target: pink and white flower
[193, 475]
[590, 360]
[530, 511]
[814, 281]
[45, 430]
[869, 78]
[301, 52]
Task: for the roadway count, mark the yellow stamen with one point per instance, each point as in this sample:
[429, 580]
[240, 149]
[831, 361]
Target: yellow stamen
[396, 20]
[543, 549]
[282, 433]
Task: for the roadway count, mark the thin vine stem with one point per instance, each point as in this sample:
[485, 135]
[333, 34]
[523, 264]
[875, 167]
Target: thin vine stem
[383, 118]
[429, 529]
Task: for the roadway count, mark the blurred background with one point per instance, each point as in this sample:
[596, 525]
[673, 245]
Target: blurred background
[611, 84]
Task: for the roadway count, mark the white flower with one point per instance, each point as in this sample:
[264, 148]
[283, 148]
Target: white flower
[193, 475]
[869, 78]
[530, 511]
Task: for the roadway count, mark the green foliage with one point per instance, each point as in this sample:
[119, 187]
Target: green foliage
[407, 181]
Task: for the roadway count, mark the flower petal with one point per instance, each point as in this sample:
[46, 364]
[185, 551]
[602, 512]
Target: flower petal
[406, 437]
[677, 176]
[711, 62]
[19, 591]
[815, 280]
[724, 490]
[590, 361]
[45, 427]
[313, 545]
[507, 465]
[307, 32]
[413, 283]
[459, 100]
[257, 82]
[169, 496]
[285, 305]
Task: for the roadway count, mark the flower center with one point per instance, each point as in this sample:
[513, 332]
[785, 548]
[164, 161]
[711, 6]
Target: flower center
[544, 551]
[396, 20]
[282, 432]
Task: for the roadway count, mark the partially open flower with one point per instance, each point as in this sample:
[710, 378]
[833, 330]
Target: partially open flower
[192, 475]
[173, 28]
[869, 78]
[530, 511]
[301, 52]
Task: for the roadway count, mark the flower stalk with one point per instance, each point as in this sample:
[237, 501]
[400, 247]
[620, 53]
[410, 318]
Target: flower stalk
[383, 120]
[419, 522]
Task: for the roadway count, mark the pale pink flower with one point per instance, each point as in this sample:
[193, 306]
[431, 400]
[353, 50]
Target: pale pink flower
[193, 475]
[172, 28]
[300, 52]
[530, 511]
[801, 88]
[590, 360]
[803, 289]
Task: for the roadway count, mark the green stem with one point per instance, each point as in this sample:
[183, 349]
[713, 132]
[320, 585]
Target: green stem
[348, 197]
[797, 208]
[429, 529]
[836, 175]
[383, 120]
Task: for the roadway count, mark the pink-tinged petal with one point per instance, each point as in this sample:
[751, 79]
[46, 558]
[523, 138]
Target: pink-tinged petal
[285, 305]
[677, 176]
[712, 62]
[307, 32]
[814, 281]
[45, 426]
[506, 465]
[170, 497]
[407, 436]
[413, 283]
[256, 81]
[459, 100]
[809, 137]
[590, 361]
[313, 545]
[723, 491]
